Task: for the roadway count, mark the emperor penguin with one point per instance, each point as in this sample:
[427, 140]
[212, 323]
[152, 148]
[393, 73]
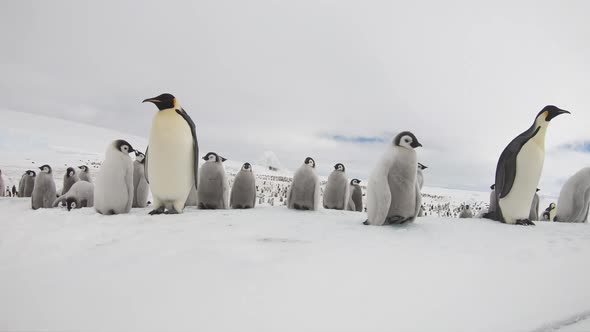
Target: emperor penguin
[141, 188]
[549, 213]
[44, 192]
[519, 170]
[113, 190]
[2, 192]
[213, 190]
[393, 193]
[172, 157]
[574, 199]
[355, 200]
[493, 201]
[69, 179]
[243, 191]
[85, 173]
[80, 195]
[534, 214]
[337, 191]
[29, 183]
[420, 178]
[304, 193]
[466, 213]
[21, 184]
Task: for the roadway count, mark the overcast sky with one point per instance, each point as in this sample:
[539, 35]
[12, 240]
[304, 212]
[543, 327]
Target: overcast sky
[334, 80]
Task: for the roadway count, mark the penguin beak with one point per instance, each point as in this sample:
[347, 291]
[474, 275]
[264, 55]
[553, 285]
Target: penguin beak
[554, 113]
[151, 100]
[204, 158]
[416, 144]
[222, 159]
[136, 153]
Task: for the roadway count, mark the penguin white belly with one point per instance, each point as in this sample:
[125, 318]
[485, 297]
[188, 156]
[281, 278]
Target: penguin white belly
[170, 169]
[529, 165]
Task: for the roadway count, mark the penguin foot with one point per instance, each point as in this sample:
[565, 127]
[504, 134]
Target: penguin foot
[366, 222]
[157, 211]
[395, 220]
[525, 222]
[171, 211]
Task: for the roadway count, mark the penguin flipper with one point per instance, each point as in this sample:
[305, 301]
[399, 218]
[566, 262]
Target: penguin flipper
[145, 165]
[378, 202]
[506, 169]
[191, 124]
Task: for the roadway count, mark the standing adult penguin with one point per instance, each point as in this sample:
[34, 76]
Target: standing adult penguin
[574, 198]
[355, 201]
[113, 191]
[213, 190]
[519, 170]
[69, 179]
[534, 214]
[141, 188]
[420, 178]
[44, 192]
[243, 191]
[337, 191]
[393, 194]
[172, 158]
[29, 183]
[549, 213]
[85, 173]
[304, 193]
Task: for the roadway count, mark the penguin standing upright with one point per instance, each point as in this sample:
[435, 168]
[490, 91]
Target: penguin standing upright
[243, 191]
[355, 202]
[213, 190]
[549, 213]
[85, 174]
[141, 188]
[44, 192]
[420, 175]
[393, 194]
[113, 190]
[304, 193]
[30, 183]
[21, 184]
[519, 170]
[337, 191]
[493, 202]
[534, 214]
[172, 158]
[69, 179]
[574, 198]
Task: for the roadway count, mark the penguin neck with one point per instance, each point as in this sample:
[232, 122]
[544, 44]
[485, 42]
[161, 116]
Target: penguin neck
[539, 138]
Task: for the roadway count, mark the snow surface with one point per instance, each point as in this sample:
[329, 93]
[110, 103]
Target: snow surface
[274, 269]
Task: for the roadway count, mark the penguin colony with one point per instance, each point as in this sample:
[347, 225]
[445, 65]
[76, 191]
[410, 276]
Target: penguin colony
[170, 170]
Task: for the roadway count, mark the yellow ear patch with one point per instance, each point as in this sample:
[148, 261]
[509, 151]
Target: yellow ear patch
[545, 114]
[175, 103]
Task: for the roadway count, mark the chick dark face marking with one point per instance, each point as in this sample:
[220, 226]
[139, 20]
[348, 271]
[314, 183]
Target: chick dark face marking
[355, 181]
[70, 172]
[407, 140]
[310, 162]
[247, 167]
[124, 146]
[339, 167]
[214, 157]
[46, 169]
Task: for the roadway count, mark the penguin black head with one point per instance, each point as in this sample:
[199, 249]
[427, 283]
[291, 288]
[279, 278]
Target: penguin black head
[466, 206]
[247, 167]
[84, 168]
[422, 167]
[163, 101]
[339, 167]
[493, 187]
[309, 162]
[139, 156]
[407, 140]
[70, 172]
[123, 146]
[46, 168]
[551, 206]
[31, 173]
[538, 190]
[549, 112]
[212, 156]
[355, 181]
[71, 203]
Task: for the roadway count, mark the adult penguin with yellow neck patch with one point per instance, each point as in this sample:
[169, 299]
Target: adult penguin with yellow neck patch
[519, 170]
[172, 157]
